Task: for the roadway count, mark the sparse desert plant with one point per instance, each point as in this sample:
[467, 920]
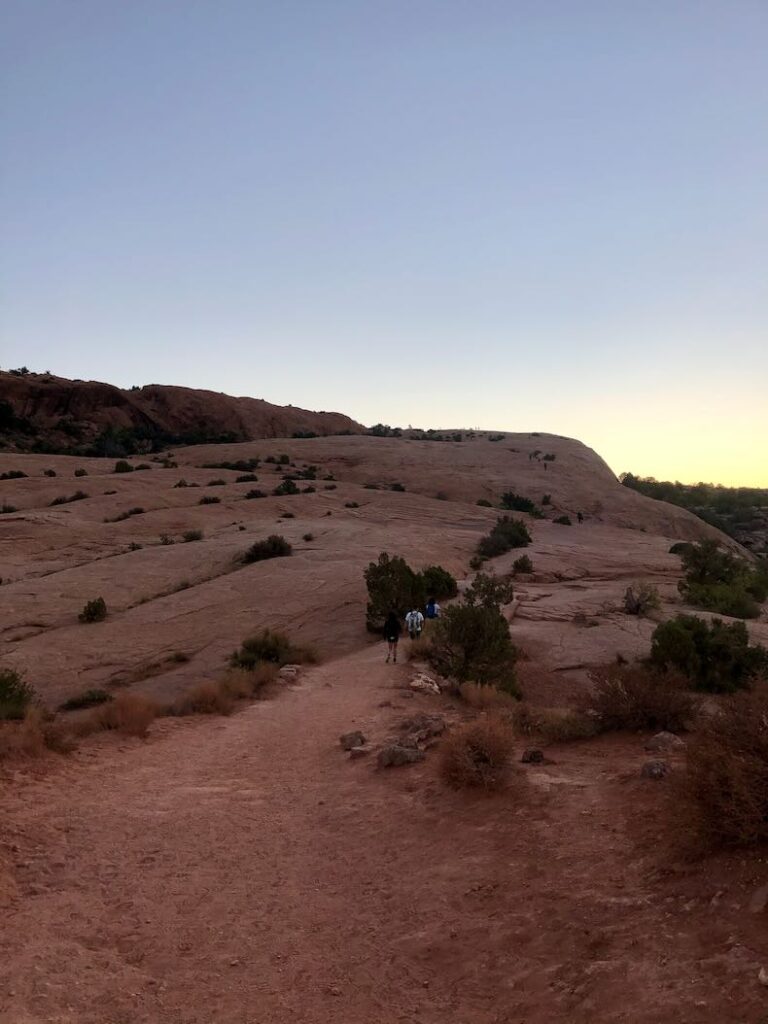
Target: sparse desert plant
[523, 564]
[191, 535]
[133, 546]
[13, 474]
[636, 697]
[15, 695]
[246, 478]
[5, 509]
[329, 487]
[255, 493]
[218, 482]
[122, 516]
[81, 472]
[308, 537]
[441, 496]
[679, 547]
[49, 472]
[508, 533]
[181, 483]
[397, 487]
[476, 562]
[715, 657]
[563, 521]
[86, 699]
[94, 611]
[272, 647]
[179, 657]
[209, 499]
[546, 499]
[722, 800]
[66, 499]
[351, 504]
[482, 698]
[274, 546]
[287, 515]
[484, 503]
[165, 540]
[720, 582]
[641, 599]
[121, 466]
[478, 754]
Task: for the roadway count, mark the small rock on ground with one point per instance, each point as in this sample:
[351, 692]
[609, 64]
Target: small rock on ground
[654, 770]
[395, 754]
[664, 741]
[532, 756]
[351, 739]
[357, 752]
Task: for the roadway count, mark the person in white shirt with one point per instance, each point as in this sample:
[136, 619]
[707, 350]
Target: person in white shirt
[414, 622]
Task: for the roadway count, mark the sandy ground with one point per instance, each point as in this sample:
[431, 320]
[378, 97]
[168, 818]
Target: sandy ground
[243, 870]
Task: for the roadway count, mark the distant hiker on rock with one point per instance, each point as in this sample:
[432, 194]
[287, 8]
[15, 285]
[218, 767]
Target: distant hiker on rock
[414, 622]
[433, 609]
[392, 631]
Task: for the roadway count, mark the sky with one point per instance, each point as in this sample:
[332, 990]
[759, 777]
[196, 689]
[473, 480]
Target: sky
[522, 215]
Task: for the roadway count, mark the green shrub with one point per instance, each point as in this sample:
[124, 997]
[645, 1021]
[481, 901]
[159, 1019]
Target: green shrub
[209, 499]
[274, 546]
[181, 483]
[718, 581]
[288, 486]
[49, 472]
[518, 503]
[546, 499]
[439, 583]
[508, 533]
[6, 508]
[216, 483]
[392, 586]
[122, 516]
[246, 478]
[679, 547]
[351, 504]
[66, 499]
[471, 641]
[15, 695]
[523, 564]
[94, 611]
[715, 657]
[13, 474]
[484, 503]
[308, 537]
[563, 521]
[191, 535]
[81, 472]
[255, 493]
[477, 562]
[121, 466]
[165, 540]
[86, 699]
[272, 647]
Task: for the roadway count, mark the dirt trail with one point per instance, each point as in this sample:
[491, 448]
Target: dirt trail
[242, 871]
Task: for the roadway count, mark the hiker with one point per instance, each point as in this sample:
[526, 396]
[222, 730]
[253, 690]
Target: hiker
[433, 609]
[392, 631]
[414, 622]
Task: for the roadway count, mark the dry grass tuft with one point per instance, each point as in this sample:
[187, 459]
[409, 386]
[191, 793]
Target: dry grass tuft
[477, 754]
[635, 697]
[486, 698]
[552, 725]
[207, 698]
[722, 800]
[130, 714]
[33, 736]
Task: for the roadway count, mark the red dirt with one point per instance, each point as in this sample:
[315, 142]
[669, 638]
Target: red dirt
[243, 870]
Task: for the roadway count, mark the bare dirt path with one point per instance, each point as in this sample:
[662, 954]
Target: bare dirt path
[242, 871]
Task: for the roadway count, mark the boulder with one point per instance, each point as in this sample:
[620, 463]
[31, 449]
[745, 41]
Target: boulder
[351, 739]
[395, 754]
[655, 770]
[532, 756]
[289, 673]
[664, 741]
[422, 728]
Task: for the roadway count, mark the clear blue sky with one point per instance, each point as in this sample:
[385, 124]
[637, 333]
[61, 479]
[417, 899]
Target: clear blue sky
[535, 215]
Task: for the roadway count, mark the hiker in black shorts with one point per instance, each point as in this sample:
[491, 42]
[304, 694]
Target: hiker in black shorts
[392, 631]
